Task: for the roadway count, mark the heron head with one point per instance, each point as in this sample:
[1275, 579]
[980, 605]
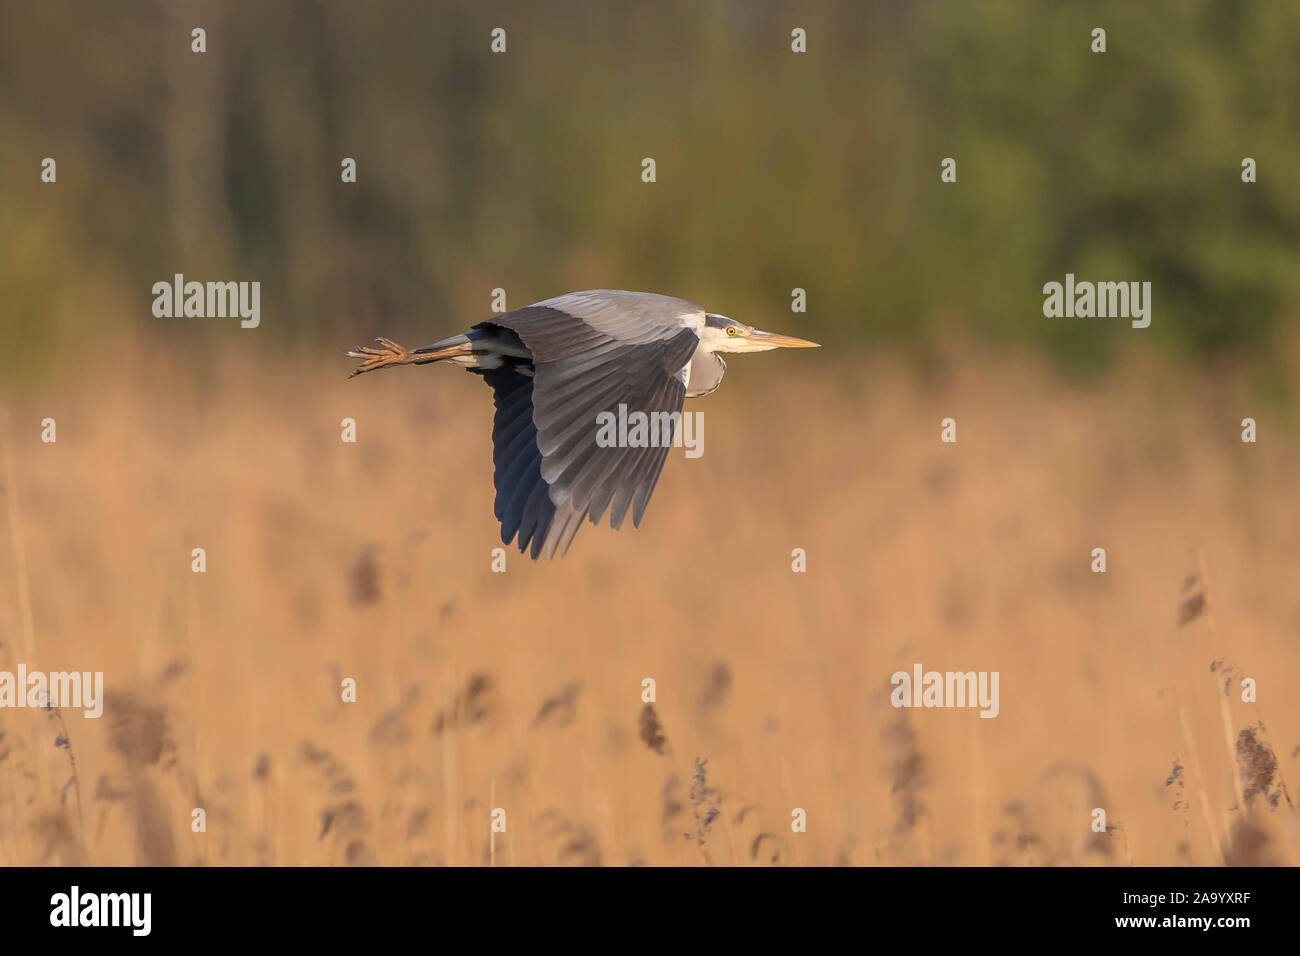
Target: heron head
[721, 334]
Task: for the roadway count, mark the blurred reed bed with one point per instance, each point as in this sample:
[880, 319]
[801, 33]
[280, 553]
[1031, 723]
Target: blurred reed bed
[522, 690]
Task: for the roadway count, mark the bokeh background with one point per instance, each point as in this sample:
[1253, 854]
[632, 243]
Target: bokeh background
[522, 690]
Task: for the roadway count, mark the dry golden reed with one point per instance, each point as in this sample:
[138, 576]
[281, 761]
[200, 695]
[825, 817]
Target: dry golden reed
[522, 691]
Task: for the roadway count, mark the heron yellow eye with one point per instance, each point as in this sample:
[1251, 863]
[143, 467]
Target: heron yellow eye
[731, 330]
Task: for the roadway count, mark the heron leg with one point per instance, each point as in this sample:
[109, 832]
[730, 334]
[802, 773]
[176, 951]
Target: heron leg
[388, 353]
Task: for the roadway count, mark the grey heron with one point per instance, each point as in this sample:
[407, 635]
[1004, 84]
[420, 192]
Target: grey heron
[554, 368]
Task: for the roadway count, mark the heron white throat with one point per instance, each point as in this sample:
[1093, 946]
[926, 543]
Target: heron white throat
[554, 366]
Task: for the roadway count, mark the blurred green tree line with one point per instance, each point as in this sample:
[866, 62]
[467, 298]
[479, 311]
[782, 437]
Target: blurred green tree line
[775, 170]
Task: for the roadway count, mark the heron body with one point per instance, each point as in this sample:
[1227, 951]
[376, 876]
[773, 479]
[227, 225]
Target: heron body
[554, 368]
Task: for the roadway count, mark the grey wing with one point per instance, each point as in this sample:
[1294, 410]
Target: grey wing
[632, 317]
[523, 505]
[551, 472]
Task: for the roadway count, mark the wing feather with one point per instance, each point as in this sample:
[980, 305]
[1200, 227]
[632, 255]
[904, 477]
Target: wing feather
[611, 349]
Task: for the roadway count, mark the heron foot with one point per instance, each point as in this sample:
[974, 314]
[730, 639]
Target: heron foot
[388, 353]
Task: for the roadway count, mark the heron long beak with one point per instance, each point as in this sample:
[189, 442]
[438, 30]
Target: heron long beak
[778, 341]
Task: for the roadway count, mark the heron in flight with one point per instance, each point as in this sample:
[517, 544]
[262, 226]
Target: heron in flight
[554, 368]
